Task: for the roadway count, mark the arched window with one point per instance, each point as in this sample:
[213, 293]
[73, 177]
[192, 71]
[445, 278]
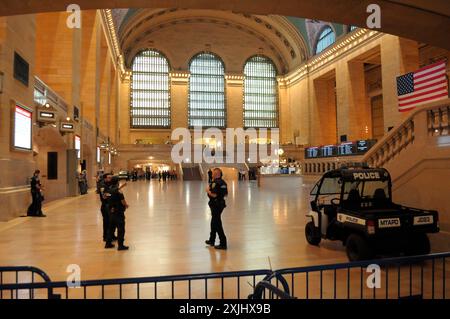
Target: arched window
[207, 91]
[260, 93]
[150, 91]
[326, 38]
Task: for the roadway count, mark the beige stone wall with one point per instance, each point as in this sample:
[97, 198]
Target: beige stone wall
[17, 34]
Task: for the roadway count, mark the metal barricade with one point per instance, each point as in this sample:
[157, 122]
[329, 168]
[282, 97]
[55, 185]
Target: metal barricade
[24, 276]
[393, 278]
[222, 285]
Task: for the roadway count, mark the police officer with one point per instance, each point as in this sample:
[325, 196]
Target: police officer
[103, 189]
[217, 191]
[116, 206]
[35, 209]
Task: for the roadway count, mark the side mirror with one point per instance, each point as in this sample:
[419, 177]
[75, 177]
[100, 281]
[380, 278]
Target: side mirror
[314, 206]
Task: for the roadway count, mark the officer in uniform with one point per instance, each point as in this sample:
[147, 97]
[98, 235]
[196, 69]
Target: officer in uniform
[217, 191]
[35, 209]
[103, 189]
[116, 206]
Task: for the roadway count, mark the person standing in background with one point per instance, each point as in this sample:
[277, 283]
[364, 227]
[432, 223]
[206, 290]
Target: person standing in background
[35, 209]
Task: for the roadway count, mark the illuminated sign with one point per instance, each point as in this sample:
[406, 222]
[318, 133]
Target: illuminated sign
[328, 150]
[343, 149]
[22, 128]
[66, 127]
[346, 149]
[47, 115]
[312, 152]
[78, 146]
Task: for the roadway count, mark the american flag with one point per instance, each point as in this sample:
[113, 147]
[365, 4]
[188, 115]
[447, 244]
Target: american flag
[427, 84]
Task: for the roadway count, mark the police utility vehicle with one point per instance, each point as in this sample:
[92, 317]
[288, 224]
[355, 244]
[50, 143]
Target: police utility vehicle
[354, 205]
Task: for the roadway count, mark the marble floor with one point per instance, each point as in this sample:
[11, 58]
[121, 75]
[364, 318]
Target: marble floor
[166, 226]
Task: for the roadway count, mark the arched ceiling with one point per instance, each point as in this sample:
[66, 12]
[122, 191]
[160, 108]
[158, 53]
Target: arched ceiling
[426, 21]
[181, 33]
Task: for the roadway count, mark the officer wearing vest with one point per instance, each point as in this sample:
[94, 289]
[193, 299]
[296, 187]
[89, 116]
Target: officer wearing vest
[116, 206]
[35, 209]
[103, 189]
[217, 191]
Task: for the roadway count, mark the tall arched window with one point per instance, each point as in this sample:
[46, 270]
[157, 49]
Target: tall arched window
[326, 38]
[260, 93]
[150, 91]
[207, 91]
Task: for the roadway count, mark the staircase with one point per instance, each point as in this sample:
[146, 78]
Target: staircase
[191, 173]
[417, 154]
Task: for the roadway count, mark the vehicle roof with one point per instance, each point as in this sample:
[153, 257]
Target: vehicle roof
[351, 174]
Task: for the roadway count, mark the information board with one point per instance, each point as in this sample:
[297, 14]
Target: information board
[346, 149]
[22, 128]
[78, 146]
[98, 154]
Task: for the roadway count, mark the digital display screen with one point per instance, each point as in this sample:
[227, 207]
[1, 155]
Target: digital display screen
[22, 128]
[98, 154]
[312, 152]
[328, 151]
[347, 149]
[78, 146]
[344, 149]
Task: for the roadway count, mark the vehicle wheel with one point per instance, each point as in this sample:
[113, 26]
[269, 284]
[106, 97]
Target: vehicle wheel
[358, 248]
[312, 234]
[418, 245]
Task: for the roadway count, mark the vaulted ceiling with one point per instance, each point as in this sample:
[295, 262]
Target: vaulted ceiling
[181, 33]
[426, 21]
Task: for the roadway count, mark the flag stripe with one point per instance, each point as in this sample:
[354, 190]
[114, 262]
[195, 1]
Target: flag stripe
[428, 71]
[439, 80]
[433, 96]
[425, 90]
[432, 66]
[429, 76]
[431, 79]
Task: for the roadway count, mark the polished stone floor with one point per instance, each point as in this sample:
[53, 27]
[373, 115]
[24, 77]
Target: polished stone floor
[167, 224]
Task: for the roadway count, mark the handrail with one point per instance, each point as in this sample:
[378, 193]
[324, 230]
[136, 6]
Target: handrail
[390, 135]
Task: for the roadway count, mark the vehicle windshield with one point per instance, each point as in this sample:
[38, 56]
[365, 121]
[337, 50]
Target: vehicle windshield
[330, 188]
[368, 190]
